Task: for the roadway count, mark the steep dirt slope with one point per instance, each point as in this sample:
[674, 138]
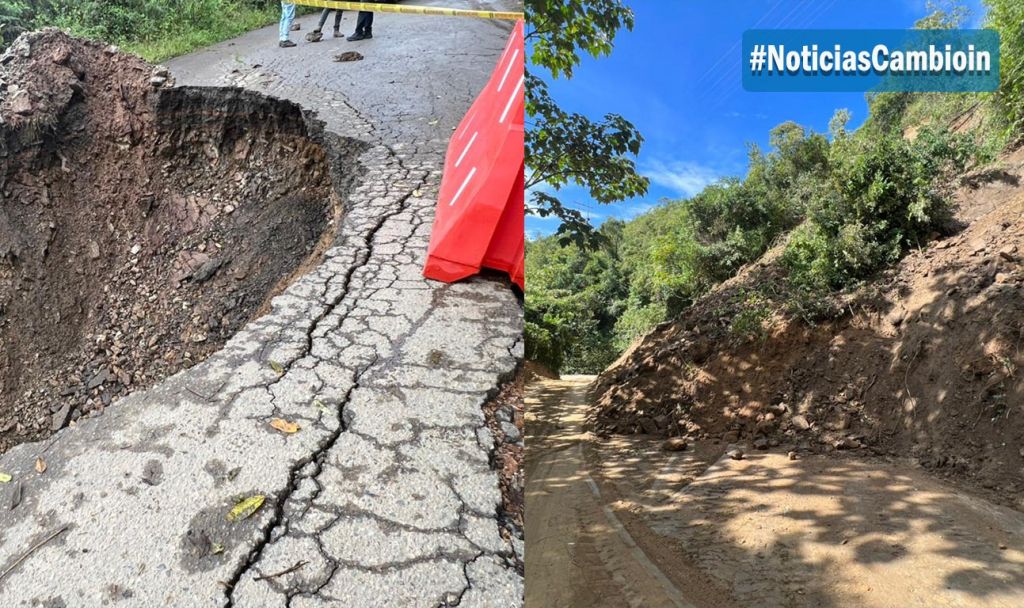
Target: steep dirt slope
[925, 362]
[141, 224]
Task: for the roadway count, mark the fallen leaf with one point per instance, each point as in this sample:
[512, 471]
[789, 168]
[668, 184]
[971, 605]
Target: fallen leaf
[320, 405]
[284, 426]
[432, 123]
[5, 477]
[277, 367]
[244, 508]
[40, 465]
[416, 192]
[217, 549]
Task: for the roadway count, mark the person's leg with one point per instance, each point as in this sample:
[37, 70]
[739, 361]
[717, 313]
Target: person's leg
[323, 19]
[285, 25]
[364, 23]
[337, 22]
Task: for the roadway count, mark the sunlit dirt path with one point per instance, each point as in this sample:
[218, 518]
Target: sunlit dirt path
[579, 552]
[619, 522]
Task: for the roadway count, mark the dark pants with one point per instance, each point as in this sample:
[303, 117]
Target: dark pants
[323, 18]
[364, 22]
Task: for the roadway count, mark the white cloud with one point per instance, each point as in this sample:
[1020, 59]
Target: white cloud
[755, 115]
[685, 178]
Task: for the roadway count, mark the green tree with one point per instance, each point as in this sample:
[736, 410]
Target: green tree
[564, 147]
[572, 302]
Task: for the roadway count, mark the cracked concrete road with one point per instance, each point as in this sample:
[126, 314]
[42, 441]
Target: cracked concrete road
[386, 496]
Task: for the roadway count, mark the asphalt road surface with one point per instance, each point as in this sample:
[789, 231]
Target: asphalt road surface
[386, 497]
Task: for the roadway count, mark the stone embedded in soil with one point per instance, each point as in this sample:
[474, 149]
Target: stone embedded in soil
[98, 378]
[648, 425]
[152, 473]
[511, 432]
[674, 444]
[60, 418]
[207, 270]
[846, 443]
[20, 103]
[800, 422]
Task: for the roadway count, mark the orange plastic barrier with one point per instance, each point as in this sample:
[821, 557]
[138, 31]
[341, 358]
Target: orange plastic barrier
[479, 218]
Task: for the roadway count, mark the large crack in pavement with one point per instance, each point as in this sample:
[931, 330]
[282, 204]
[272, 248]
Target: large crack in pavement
[317, 456]
[387, 495]
[316, 459]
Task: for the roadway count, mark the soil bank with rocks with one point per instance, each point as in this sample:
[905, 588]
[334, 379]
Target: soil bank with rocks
[140, 224]
[925, 362]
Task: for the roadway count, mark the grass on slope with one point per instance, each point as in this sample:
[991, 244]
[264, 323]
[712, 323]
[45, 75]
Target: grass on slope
[154, 29]
[180, 41]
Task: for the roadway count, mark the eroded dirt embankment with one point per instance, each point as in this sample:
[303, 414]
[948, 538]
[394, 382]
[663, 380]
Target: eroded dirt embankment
[140, 225]
[925, 362]
[504, 415]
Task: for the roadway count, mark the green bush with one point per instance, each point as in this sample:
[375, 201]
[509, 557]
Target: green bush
[676, 253]
[749, 320]
[156, 29]
[573, 297]
[885, 196]
[1007, 16]
[636, 321]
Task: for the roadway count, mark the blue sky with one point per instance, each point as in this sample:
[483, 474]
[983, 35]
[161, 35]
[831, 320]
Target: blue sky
[677, 77]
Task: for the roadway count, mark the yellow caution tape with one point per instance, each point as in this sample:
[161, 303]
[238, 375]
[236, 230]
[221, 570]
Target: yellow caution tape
[409, 10]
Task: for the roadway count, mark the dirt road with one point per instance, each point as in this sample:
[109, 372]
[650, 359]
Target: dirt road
[619, 522]
[580, 553]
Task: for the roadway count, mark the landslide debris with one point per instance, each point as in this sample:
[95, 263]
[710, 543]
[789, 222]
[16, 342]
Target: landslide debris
[140, 224]
[926, 362]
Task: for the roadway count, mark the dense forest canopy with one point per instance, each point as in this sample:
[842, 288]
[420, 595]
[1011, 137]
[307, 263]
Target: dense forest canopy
[840, 206]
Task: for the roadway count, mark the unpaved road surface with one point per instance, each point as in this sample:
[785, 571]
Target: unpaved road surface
[765, 531]
[580, 553]
[386, 495]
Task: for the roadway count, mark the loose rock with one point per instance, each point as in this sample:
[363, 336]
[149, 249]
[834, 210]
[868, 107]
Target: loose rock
[348, 56]
[674, 444]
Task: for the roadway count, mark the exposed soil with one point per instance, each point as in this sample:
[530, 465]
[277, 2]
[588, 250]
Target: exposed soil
[504, 415]
[633, 520]
[534, 370]
[583, 550]
[927, 361]
[140, 224]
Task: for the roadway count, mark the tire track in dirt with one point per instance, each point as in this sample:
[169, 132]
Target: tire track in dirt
[581, 553]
